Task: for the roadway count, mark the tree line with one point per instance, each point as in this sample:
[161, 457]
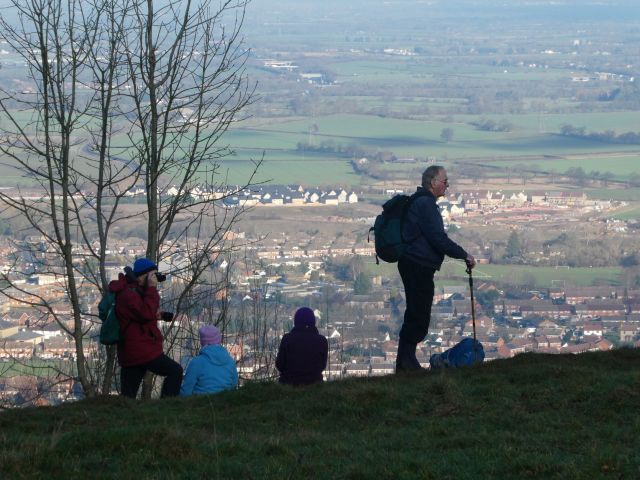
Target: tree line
[607, 136]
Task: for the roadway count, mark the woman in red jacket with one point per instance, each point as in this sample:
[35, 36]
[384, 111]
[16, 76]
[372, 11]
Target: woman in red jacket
[140, 350]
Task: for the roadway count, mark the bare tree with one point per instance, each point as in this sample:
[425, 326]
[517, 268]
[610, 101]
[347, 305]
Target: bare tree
[120, 94]
[187, 85]
[46, 121]
[446, 135]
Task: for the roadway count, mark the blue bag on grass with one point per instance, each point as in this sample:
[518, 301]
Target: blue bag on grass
[460, 355]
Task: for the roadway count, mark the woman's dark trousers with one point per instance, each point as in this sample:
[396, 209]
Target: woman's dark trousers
[131, 377]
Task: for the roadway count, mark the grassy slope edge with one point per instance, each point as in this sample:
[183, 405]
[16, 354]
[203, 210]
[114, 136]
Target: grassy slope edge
[533, 416]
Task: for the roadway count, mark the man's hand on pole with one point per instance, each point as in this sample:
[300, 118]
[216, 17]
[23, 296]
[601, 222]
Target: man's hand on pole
[471, 262]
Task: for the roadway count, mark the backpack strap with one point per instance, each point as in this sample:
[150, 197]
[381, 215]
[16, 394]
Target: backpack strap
[369, 241]
[405, 209]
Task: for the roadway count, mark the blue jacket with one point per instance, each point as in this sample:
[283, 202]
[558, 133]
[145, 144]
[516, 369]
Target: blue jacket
[210, 372]
[423, 228]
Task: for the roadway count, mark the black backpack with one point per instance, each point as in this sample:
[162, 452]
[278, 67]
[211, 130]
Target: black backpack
[387, 229]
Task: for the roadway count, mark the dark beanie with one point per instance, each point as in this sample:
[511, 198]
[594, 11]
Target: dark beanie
[143, 265]
[304, 317]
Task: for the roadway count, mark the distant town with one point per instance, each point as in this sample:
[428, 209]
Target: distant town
[282, 271]
[324, 111]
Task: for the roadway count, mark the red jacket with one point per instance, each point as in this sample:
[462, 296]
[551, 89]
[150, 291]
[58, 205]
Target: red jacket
[137, 310]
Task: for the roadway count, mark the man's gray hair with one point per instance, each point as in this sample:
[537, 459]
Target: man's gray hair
[429, 174]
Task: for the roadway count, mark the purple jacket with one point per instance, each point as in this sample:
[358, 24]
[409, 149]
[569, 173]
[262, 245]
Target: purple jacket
[302, 356]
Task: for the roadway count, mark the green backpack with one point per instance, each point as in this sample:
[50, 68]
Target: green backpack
[110, 329]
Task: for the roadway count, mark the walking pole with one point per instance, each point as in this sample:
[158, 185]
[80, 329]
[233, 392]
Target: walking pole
[473, 317]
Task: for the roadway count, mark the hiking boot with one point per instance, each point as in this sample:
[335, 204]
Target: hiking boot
[406, 360]
[411, 355]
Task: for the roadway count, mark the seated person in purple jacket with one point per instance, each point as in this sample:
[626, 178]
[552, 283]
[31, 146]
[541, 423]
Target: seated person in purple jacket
[302, 355]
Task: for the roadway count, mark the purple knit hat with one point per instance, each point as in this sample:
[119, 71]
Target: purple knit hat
[304, 317]
[209, 335]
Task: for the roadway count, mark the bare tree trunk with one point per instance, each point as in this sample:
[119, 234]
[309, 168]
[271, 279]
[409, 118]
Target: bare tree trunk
[186, 65]
[166, 82]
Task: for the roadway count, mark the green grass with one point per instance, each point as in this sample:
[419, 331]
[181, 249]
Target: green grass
[544, 276]
[620, 122]
[422, 138]
[43, 368]
[278, 139]
[632, 194]
[522, 275]
[533, 416]
[628, 214]
[620, 166]
[419, 69]
[309, 172]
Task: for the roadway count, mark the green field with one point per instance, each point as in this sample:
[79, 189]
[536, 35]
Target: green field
[628, 214]
[626, 194]
[545, 277]
[520, 275]
[278, 139]
[37, 367]
[410, 69]
[407, 138]
[414, 138]
[309, 172]
[620, 165]
[422, 138]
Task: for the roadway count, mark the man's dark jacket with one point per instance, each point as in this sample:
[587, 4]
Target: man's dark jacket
[302, 356]
[423, 229]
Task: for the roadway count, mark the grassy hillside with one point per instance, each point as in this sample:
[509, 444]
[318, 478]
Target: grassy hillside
[534, 416]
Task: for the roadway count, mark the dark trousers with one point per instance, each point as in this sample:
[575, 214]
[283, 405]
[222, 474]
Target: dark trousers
[418, 289]
[131, 377]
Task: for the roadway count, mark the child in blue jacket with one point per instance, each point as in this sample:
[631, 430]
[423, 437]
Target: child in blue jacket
[213, 370]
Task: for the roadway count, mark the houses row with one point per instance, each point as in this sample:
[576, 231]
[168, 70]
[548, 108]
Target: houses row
[589, 308]
[258, 195]
[529, 206]
[289, 195]
[472, 199]
[483, 199]
[314, 251]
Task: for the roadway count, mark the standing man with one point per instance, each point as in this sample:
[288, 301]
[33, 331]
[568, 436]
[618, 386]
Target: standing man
[140, 347]
[428, 243]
